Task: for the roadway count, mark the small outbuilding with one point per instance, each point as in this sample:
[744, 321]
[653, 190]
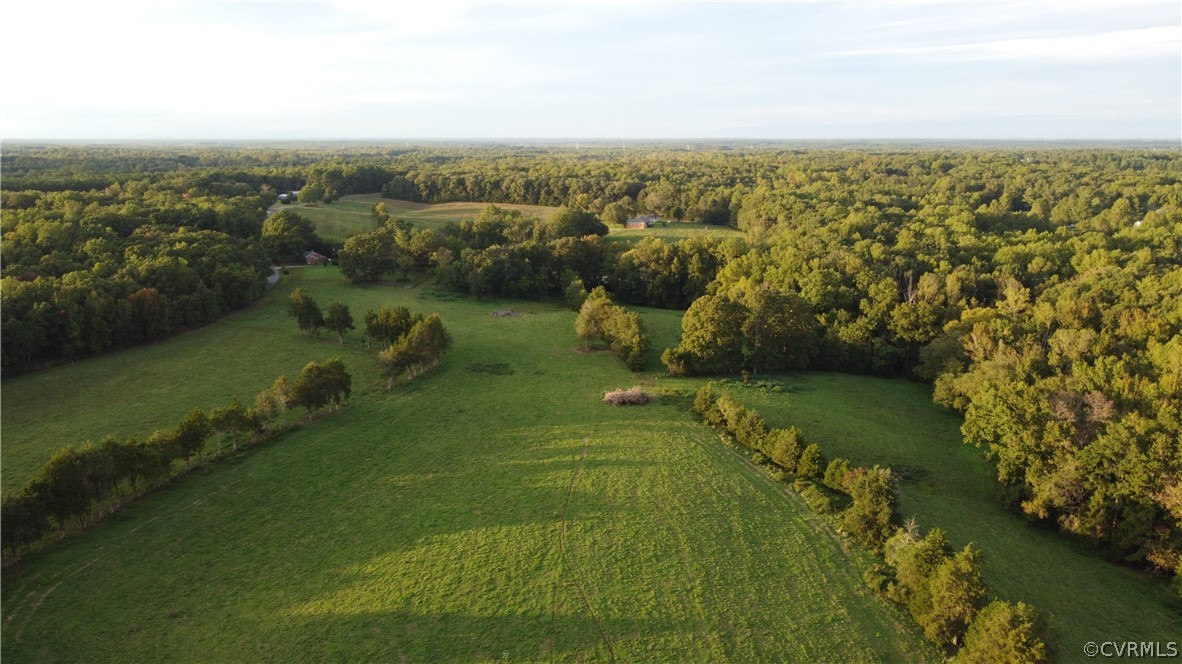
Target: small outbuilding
[315, 258]
[640, 222]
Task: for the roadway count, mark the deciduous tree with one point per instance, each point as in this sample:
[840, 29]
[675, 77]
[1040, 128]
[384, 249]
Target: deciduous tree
[1005, 633]
[366, 257]
[321, 384]
[304, 309]
[338, 319]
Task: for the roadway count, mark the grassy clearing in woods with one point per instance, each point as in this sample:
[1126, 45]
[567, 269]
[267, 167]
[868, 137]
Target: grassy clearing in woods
[354, 214]
[949, 485]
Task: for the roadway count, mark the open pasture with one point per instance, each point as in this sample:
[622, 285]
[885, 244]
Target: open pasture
[493, 510]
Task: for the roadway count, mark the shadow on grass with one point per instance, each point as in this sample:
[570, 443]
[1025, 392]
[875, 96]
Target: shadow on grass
[459, 637]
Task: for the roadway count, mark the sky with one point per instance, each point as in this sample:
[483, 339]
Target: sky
[630, 70]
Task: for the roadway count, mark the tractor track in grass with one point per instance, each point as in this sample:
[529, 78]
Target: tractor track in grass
[576, 575]
[819, 526]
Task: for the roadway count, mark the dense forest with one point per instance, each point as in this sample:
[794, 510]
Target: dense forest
[1038, 289]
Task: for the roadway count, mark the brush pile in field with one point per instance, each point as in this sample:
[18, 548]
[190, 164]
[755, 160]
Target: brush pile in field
[630, 397]
[504, 313]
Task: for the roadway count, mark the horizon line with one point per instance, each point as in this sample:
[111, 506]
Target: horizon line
[596, 140]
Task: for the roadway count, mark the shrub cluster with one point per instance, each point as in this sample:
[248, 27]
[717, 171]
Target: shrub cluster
[944, 593]
[411, 343]
[817, 500]
[601, 320]
[414, 343]
[942, 590]
[632, 396]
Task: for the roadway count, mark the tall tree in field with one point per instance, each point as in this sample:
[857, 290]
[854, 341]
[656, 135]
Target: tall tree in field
[311, 193]
[307, 313]
[601, 320]
[626, 336]
[338, 384]
[396, 360]
[338, 319]
[712, 336]
[432, 337]
[593, 317]
[321, 384]
[615, 213]
[416, 350]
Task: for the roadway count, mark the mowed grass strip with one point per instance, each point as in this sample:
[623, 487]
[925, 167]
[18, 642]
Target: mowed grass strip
[492, 510]
[673, 231]
[949, 485]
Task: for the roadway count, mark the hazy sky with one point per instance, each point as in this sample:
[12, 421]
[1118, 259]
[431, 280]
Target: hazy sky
[458, 69]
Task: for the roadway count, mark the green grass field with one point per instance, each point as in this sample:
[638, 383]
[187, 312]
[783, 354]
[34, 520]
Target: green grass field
[491, 511]
[337, 221]
[948, 484]
[676, 230]
[353, 214]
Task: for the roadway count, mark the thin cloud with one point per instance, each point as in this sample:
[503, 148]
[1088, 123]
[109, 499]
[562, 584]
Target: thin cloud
[1114, 45]
[470, 68]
